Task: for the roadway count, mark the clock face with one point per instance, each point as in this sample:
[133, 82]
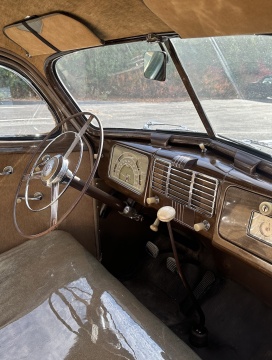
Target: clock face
[261, 227]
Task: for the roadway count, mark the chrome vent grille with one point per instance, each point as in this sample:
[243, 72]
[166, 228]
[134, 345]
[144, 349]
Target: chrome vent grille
[160, 176]
[204, 193]
[196, 190]
[179, 185]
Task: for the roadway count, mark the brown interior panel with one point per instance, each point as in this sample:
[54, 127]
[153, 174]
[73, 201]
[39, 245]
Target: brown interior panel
[80, 223]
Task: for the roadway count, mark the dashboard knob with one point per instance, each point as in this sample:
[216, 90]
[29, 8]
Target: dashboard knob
[202, 147]
[204, 225]
[152, 200]
[265, 208]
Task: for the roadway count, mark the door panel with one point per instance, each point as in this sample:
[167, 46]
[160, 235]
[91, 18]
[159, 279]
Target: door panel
[79, 223]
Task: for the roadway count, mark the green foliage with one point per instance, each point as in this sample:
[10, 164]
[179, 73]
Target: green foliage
[224, 67]
[12, 85]
[218, 68]
[116, 72]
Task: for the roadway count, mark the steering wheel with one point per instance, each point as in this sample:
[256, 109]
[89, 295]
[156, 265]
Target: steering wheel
[55, 172]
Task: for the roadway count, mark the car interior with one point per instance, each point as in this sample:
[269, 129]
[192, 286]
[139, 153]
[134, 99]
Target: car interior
[135, 172]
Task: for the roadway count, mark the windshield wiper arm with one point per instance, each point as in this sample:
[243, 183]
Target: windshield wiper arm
[149, 124]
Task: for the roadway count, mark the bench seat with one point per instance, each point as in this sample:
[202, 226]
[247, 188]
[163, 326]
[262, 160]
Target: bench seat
[58, 302]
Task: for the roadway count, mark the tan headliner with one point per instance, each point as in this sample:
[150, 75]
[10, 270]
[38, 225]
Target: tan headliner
[200, 18]
[109, 19]
[113, 19]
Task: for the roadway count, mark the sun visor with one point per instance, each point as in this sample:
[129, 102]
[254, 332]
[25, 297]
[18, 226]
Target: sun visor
[201, 18]
[51, 33]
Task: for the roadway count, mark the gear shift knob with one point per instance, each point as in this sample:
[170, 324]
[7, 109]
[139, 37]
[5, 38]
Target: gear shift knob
[164, 214]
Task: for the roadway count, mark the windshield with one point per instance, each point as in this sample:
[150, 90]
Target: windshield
[110, 82]
[232, 77]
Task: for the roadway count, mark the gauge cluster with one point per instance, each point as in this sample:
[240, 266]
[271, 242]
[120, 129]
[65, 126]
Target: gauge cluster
[129, 168]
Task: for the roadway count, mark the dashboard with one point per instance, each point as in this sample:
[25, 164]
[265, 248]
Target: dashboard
[212, 196]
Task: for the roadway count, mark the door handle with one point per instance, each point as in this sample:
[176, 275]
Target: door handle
[8, 170]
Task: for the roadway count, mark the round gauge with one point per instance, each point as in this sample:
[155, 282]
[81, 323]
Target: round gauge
[261, 227]
[129, 168]
[266, 228]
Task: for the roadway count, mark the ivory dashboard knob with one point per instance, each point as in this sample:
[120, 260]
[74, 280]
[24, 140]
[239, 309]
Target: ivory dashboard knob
[202, 147]
[199, 226]
[204, 225]
[166, 213]
[265, 208]
[152, 200]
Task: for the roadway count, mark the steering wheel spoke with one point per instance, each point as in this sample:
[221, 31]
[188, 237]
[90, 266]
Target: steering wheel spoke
[54, 204]
[78, 137]
[35, 175]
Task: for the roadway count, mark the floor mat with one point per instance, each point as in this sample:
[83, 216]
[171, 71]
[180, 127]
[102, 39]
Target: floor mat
[239, 324]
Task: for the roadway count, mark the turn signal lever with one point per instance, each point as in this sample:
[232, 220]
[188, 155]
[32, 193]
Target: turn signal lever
[199, 334]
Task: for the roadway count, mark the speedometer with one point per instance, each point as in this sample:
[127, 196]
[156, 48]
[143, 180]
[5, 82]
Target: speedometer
[129, 168]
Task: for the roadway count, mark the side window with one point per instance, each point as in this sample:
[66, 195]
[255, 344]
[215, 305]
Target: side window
[23, 112]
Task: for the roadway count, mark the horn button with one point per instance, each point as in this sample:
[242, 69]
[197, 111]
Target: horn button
[54, 170]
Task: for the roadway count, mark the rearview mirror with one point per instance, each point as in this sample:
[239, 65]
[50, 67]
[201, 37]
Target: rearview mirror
[155, 65]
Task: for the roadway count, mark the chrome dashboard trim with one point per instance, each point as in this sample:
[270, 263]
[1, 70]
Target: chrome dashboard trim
[179, 214]
[163, 186]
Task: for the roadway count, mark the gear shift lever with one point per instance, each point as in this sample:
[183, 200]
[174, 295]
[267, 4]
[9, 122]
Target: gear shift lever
[164, 214]
[199, 334]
